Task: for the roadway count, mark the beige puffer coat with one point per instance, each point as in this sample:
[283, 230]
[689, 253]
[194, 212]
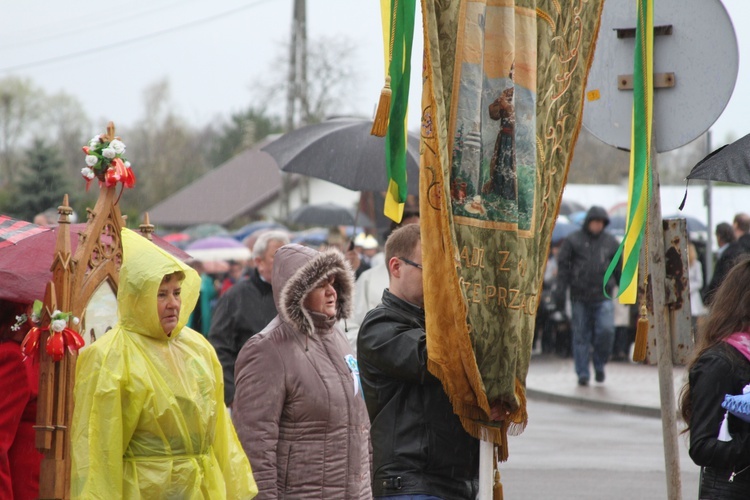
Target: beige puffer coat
[298, 407]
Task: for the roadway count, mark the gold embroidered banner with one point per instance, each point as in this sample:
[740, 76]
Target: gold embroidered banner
[502, 102]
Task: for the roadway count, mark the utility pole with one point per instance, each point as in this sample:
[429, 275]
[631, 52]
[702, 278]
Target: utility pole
[297, 107]
[296, 101]
[708, 202]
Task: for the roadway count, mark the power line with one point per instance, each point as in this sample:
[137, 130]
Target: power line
[15, 45]
[51, 60]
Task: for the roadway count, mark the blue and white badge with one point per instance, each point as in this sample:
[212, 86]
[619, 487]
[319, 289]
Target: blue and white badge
[351, 362]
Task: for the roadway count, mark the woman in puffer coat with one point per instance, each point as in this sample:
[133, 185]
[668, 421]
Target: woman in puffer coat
[298, 407]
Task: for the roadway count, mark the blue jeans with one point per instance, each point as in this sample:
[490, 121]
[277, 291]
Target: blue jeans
[593, 326]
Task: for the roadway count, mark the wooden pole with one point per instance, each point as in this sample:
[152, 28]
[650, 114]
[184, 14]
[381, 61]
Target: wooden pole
[659, 335]
[708, 202]
[55, 409]
[486, 467]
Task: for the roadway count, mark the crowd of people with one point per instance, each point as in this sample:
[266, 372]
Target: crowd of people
[271, 401]
[577, 316]
[719, 367]
[309, 378]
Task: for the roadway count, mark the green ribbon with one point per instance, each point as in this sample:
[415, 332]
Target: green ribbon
[400, 73]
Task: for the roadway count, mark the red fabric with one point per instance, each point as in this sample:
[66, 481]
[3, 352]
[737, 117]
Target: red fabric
[225, 285]
[19, 458]
[12, 231]
[741, 342]
[25, 266]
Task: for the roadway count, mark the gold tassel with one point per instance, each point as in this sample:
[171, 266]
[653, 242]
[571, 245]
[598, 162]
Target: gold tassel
[497, 486]
[380, 123]
[641, 337]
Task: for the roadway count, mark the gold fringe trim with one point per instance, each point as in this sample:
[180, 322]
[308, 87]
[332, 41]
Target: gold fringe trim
[475, 419]
[519, 418]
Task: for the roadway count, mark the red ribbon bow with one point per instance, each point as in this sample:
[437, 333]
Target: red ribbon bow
[56, 343]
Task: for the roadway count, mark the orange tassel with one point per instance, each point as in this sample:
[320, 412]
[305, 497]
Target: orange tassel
[497, 486]
[380, 123]
[641, 337]
[497, 489]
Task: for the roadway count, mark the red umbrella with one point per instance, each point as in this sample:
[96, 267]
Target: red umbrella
[25, 264]
[176, 237]
[12, 230]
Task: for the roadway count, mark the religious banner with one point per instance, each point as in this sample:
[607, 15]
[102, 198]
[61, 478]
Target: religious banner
[502, 101]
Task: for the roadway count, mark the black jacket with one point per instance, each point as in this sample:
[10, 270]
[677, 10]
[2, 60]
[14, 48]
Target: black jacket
[583, 260]
[419, 445]
[734, 251]
[719, 371]
[244, 310]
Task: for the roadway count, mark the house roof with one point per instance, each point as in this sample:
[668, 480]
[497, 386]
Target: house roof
[237, 187]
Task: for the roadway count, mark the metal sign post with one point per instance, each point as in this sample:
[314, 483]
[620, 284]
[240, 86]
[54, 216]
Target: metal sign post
[688, 36]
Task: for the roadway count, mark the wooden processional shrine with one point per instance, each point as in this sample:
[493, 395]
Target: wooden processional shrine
[77, 280]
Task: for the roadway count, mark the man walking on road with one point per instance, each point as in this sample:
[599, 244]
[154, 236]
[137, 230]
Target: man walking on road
[245, 309]
[582, 263]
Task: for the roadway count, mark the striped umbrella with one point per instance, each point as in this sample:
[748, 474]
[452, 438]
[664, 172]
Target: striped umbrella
[13, 230]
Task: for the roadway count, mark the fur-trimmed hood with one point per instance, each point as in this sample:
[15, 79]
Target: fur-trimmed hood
[297, 270]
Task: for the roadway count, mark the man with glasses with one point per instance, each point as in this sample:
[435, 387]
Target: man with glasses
[420, 449]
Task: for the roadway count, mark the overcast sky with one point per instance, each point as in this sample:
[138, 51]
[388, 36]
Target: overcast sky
[105, 54]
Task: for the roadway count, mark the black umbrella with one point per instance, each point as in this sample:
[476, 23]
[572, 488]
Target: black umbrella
[328, 214]
[342, 151]
[730, 163]
[693, 225]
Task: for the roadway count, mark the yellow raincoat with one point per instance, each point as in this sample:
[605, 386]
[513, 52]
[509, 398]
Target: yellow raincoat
[149, 418]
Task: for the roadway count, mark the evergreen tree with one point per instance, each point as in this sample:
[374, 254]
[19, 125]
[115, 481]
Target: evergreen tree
[243, 131]
[43, 182]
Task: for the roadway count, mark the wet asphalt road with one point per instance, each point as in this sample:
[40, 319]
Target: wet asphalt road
[576, 453]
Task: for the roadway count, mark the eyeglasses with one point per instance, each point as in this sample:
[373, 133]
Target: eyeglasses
[410, 262]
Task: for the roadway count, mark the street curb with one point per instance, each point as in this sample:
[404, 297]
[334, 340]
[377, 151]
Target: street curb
[628, 409]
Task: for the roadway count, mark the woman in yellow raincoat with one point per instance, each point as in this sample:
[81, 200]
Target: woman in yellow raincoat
[149, 418]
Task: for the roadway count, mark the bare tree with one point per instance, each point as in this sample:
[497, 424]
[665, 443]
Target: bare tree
[595, 162]
[165, 151]
[331, 79]
[675, 165]
[21, 104]
[67, 124]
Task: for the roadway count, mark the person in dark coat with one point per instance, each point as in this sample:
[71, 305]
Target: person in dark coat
[419, 444]
[582, 263]
[730, 255]
[724, 237]
[720, 441]
[245, 309]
